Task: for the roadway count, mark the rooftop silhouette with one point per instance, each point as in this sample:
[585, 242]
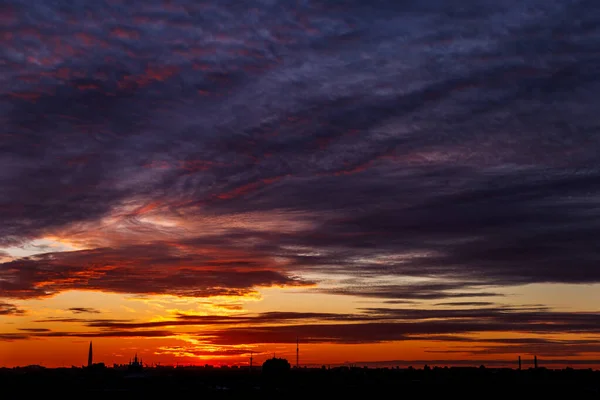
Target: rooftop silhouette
[275, 366]
[335, 381]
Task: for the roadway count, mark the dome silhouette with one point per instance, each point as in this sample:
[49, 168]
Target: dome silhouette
[275, 366]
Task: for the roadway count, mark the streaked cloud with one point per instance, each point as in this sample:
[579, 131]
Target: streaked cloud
[84, 310]
[10, 309]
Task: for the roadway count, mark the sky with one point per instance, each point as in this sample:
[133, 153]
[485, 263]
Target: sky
[389, 182]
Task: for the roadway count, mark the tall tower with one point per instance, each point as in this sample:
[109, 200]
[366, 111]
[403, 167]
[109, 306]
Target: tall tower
[297, 352]
[250, 361]
[90, 358]
[535, 362]
[519, 363]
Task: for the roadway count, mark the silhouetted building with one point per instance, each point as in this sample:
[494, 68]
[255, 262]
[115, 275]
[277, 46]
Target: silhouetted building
[275, 366]
[97, 367]
[337, 382]
[90, 358]
[519, 363]
[34, 367]
[535, 362]
[135, 365]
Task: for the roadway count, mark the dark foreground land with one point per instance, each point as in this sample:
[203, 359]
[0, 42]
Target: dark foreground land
[334, 383]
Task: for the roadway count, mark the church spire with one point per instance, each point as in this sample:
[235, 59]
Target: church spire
[90, 358]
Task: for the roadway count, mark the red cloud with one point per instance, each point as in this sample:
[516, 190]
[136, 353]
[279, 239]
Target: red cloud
[158, 268]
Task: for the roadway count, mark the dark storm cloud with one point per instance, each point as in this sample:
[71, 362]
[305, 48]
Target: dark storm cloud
[417, 139]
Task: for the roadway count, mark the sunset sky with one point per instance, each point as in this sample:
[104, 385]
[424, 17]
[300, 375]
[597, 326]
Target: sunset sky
[391, 182]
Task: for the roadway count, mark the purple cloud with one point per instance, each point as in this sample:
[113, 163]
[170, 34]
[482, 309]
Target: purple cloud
[412, 139]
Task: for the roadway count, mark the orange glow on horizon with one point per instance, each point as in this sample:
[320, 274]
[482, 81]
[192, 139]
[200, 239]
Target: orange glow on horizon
[191, 344]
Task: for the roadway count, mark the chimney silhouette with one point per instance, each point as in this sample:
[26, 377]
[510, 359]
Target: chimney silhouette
[519, 363]
[535, 362]
[90, 358]
[297, 352]
[250, 361]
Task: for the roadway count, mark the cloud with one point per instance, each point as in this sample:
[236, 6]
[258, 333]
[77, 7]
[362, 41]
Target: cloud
[141, 334]
[43, 333]
[529, 346]
[83, 310]
[412, 140]
[475, 362]
[384, 325]
[415, 291]
[4, 256]
[466, 303]
[372, 325]
[467, 331]
[174, 271]
[8, 337]
[201, 352]
[364, 333]
[10, 309]
[200, 320]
